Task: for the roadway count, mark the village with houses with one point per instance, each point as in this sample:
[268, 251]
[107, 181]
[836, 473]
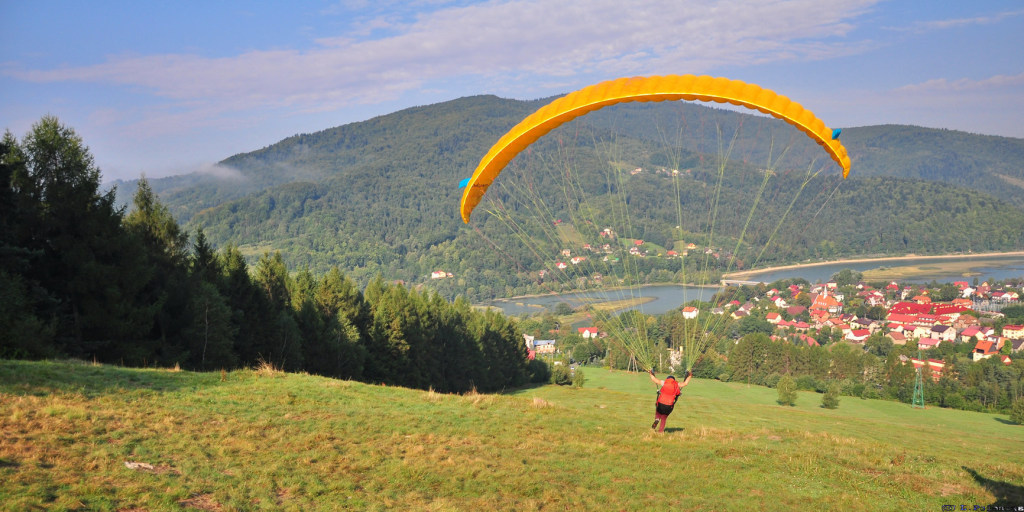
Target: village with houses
[901, 315]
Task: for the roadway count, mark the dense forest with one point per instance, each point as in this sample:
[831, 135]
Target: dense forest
[380, 196]
[81, 277]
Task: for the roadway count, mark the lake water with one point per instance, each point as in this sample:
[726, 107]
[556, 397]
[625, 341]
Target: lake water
[667, 297]
[986, 268]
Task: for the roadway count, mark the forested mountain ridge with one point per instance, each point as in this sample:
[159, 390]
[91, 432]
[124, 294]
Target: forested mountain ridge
[380, 196]
[441, 142]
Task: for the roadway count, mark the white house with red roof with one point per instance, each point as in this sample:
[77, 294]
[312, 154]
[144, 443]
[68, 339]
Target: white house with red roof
[858, 335]
[773, 318]
[1014, 332]
[984, 350]
[928, 343]
[587, 332]
[823, 302]
[690, 312]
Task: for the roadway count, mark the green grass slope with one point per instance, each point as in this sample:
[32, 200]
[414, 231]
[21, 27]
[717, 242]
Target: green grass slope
[269, 440]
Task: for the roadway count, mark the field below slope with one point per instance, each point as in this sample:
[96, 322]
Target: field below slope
[261, 439]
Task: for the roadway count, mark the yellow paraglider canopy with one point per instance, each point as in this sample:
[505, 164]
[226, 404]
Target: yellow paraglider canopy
[655, 88]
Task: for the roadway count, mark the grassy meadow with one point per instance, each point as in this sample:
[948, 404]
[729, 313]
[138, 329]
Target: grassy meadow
[262, 439]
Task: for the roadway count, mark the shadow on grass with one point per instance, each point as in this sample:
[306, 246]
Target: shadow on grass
[1006, 494]
[1004, 420]
[40, 378]
[669, 430]
[522, 389]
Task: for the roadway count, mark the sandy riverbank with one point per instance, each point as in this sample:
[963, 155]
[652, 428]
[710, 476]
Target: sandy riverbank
[747, 273]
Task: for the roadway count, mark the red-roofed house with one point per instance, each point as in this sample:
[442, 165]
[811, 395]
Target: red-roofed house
[690, 312]
[858, 336]
[811, 342]
[588, 332]
[902, 318]
[773, 318]
[1014, 332]
[970, 334]
[910, 308]
[927, 343]
[897, 338]
[984, 350]
[826, 303]
[934, 366]
[965, 320]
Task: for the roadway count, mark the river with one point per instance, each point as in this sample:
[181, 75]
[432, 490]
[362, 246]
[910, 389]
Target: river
[663, 298]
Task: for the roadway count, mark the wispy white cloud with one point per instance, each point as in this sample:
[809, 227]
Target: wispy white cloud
[497, 42]
[965, 84]
[928, 26]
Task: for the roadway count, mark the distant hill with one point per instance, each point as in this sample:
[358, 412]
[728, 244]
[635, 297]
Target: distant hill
[381, 195]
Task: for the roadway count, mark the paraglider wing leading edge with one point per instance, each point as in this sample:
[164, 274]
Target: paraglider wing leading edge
[655, 88]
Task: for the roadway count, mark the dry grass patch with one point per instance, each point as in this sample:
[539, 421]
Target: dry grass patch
[433, 396]
[267, 369]
[540, 403]
[201, 502]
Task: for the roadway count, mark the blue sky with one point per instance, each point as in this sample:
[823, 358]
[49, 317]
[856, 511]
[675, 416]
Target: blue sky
[171, 87]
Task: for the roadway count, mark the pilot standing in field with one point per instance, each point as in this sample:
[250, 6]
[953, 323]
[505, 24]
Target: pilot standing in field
[668, 392]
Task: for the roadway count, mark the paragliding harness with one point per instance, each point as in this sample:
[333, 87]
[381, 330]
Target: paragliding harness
[666, 409]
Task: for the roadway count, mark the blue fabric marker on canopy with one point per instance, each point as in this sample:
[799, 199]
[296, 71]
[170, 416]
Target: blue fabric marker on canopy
[836, 132]
[463, 183]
